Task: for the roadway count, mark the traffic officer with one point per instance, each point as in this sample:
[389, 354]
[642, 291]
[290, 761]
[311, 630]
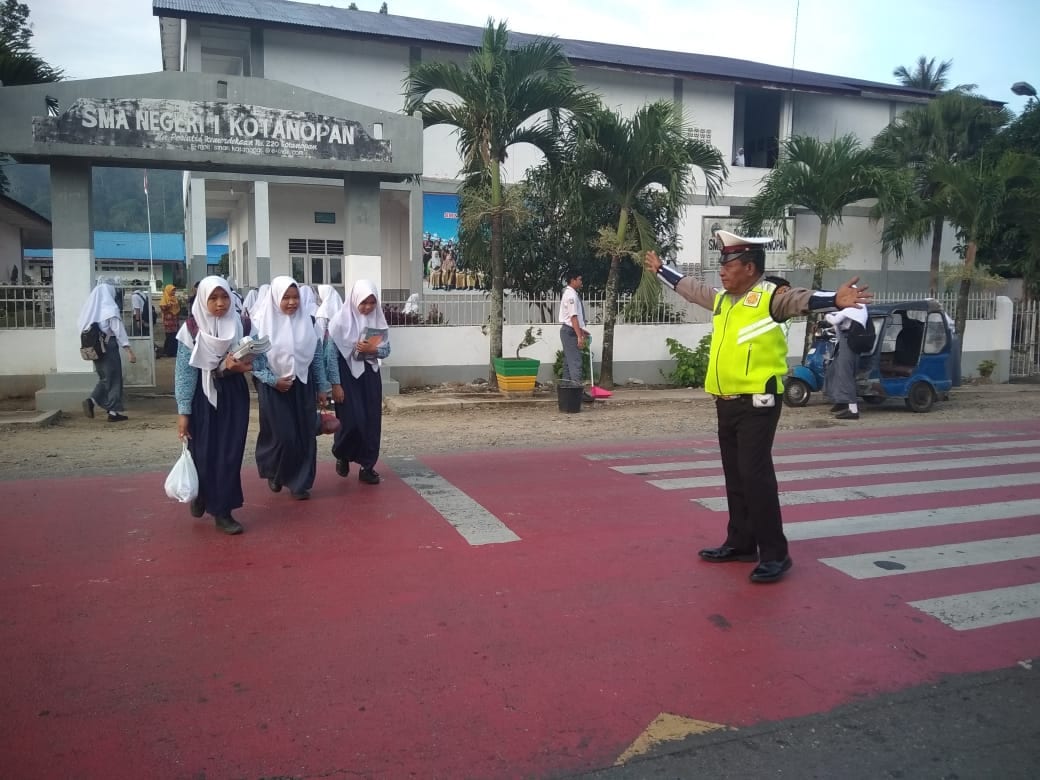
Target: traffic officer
[746, 367]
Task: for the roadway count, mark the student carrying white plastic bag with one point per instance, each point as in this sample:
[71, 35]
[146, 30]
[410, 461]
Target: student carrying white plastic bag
[183, 481]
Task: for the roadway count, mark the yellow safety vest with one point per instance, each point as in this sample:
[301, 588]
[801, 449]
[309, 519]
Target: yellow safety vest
[747, 345]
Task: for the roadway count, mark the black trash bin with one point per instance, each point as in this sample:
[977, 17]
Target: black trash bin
[568, 394]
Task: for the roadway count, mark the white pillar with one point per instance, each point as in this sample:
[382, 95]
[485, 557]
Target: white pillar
[260, 230]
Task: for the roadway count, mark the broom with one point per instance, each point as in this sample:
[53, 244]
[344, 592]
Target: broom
[596, 392]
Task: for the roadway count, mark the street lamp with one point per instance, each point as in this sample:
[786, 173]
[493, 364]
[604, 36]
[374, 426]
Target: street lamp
[1023, 89]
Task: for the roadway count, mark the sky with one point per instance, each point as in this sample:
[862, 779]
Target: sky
[992, 43]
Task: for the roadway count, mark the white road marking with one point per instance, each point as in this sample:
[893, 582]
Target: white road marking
[888, 490]
[852, 470]
[919, 518]
[473, 522]
[816, 457]
[986, 608]
[944, 556]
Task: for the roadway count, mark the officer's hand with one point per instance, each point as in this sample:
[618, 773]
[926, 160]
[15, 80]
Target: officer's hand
[849, 294]
[652, 262]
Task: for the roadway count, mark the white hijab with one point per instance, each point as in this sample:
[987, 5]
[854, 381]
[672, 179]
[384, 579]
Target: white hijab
[348, 326]
[99, 307]
[249, 302]
[331, 302]
[293, 339]
[845, 317]
[215, 337]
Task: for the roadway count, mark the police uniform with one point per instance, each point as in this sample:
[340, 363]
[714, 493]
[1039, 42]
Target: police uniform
[746, 367]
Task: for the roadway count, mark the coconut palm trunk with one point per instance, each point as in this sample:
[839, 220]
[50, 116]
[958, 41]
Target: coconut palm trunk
[933, 267]
[960, 318]
[610, 307]
[817, 284]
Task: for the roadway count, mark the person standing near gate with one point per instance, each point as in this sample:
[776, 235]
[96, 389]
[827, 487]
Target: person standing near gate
[573, 333]
[101, 307]
[746, 366]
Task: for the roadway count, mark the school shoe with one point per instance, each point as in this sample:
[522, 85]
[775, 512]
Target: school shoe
[88, 408]
[303, 495]
[839, 407]
[847, 415]
[117, 417]
[343, 467]
[229, 525]
[197, 507]
[724, 554]
[274, 485]
[771, 571]
[369, 477]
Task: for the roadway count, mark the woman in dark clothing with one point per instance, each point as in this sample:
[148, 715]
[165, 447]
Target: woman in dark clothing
[290, 382]
[170, 308]
[213, 401]
[358, 340]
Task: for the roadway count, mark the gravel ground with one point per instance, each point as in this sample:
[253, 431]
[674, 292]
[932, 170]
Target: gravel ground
[437, 421]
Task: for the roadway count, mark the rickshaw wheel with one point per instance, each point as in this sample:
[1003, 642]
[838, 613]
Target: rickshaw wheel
[920, 397]
[796, 392]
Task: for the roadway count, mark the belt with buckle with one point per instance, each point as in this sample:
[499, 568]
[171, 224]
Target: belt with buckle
[729, 397]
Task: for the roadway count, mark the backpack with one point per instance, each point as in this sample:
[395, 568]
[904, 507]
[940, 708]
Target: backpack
[92, 343]
[861, 338]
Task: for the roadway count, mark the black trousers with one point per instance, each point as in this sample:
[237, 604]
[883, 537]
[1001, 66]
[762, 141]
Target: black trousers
[746, 442]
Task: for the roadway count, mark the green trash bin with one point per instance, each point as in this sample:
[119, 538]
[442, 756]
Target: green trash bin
[568, 396]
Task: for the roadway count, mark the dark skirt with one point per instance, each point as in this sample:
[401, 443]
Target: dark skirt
[360, 416]
[286, 447]
[170, 344]
[108, 392]
[218, 442]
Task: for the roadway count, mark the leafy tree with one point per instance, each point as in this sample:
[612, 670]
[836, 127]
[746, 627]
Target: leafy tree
[822, 177]
[504, 96]
[952, 127]
[383, 9]
[975, 193]
[619, 160]
[927, 75]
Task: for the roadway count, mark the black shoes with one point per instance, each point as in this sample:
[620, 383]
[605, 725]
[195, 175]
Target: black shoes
[117, 417]
[587, 398]
[369, 477]
[771, 571]
[847, 415]
[229, 525]
[197, 507]
[303, 495]
[88, 408]
[839, 407]
[725, 554]
[274, 485]
[343, 467]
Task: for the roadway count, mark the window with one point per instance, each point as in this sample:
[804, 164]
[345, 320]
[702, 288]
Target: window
[325, 217]
[317, 261]
[935, 334]
[756, 125]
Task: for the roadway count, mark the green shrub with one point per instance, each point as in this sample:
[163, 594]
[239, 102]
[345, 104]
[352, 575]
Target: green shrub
[558, 364]
[986, 368]
[691, 365]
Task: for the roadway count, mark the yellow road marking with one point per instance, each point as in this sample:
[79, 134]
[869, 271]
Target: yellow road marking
[666, 728]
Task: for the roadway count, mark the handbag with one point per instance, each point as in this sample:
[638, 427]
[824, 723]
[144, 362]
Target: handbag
[328, 423]
[182, 483]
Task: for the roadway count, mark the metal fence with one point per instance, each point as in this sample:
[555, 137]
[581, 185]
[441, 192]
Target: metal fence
[1025, 340]
[26, 306]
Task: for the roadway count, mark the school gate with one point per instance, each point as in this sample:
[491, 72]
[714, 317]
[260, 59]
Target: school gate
[207, 123]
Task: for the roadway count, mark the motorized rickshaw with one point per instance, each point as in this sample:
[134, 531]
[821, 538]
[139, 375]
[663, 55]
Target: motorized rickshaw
[916, 357]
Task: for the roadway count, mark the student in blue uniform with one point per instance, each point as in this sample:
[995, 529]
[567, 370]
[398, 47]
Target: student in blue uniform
[213, 401]
[291, 382]
[358, 339]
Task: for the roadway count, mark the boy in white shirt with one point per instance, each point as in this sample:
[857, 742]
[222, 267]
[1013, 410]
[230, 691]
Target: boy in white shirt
[572, 327]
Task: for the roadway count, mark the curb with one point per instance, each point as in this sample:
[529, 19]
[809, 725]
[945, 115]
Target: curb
[29, 419]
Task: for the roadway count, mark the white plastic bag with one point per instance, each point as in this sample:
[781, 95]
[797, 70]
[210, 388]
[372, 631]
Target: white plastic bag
[183, 481]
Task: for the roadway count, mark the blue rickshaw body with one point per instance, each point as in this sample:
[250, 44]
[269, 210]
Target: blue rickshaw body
[916, 358]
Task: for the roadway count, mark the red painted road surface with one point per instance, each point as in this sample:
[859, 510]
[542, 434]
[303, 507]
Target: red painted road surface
[359, 633]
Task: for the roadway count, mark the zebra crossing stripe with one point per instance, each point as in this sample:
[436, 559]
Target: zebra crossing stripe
[850, 470]
[944, 556]
[473, 522]
[897, 521]
[888, 490]
[814, 457]
[985, 608]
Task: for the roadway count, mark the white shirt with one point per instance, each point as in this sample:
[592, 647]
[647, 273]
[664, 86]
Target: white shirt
[570, 305]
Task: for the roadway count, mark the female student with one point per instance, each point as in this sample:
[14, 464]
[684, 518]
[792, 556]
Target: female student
[358, 340]
[213, 401]
[170, 308]
[291, 380]
[331, 302]
[101, 307]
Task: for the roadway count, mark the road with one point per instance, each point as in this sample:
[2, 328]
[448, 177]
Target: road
[533, 614]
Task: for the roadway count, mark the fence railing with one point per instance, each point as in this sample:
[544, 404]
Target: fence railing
[26, 306]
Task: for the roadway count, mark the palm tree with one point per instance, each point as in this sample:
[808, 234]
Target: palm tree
[620, 160]
[822, 177]
[952, 127]
[974, 194]
[929, 76]
[505, 96]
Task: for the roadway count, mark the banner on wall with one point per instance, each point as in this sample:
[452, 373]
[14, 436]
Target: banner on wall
[441, 217]
[776, 252]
